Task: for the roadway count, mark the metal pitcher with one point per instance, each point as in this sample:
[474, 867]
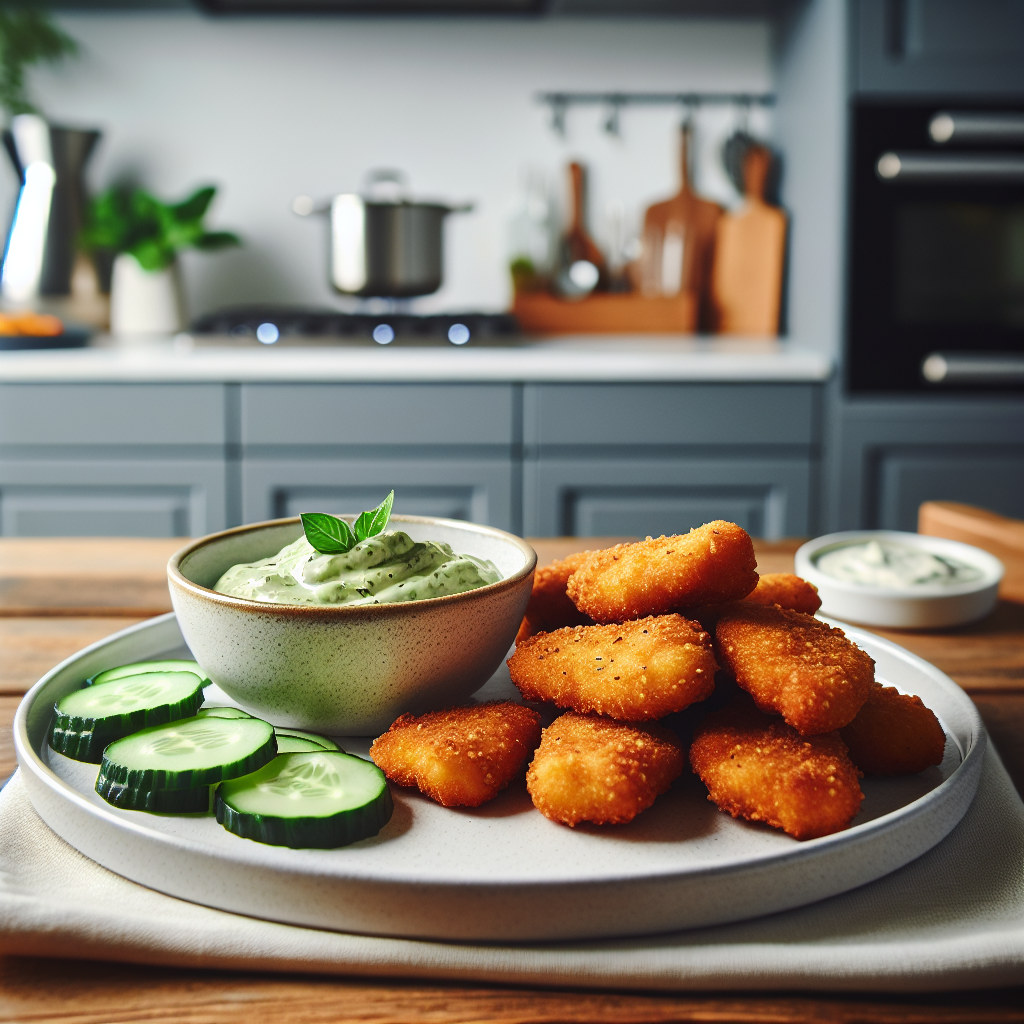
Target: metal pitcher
[42, 241]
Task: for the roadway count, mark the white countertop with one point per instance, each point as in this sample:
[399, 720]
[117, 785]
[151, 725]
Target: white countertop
[638, 358]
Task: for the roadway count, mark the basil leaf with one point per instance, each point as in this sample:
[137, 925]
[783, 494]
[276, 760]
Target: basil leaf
[369, 524]
[328, 534]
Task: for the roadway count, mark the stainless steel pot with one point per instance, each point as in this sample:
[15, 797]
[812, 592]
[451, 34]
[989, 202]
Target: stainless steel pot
[382, 243]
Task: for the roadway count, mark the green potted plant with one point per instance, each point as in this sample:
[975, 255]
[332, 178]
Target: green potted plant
[27, 37]
[146, 236]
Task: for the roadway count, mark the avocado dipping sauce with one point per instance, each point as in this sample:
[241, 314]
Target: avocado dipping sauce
[892, 566]
[386, 569]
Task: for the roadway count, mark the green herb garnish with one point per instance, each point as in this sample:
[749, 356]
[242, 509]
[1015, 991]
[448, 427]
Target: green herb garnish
[333, 536]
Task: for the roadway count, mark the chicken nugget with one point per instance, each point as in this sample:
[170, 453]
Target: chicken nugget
[757, 767]
[795, 665]
[709, 564]
[461, 757]
[894, 734]
[787, 591]
[636, 671]
[550, 606]
[589, 768]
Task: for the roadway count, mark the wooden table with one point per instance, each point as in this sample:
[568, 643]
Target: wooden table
[58, 595]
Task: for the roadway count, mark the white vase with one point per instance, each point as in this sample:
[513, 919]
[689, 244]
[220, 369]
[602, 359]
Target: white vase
[145, 301]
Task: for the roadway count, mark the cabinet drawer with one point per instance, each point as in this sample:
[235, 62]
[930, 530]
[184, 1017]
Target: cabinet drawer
[669, 414]
[95, 498]
[376, 414]
[112, 414]
[478, 490]
[640, 497]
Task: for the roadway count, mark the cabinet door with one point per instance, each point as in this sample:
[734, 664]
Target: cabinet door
[123, 498]
[478, 490]
[593, 497]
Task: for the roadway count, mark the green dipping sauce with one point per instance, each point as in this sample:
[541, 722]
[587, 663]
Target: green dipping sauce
[385, 569]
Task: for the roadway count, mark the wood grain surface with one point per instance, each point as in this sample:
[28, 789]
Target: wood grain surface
[63, 609]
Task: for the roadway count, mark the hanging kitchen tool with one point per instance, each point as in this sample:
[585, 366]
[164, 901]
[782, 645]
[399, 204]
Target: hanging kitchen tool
[581, 264]
[678, 240]
[382, 243]
[749, 255]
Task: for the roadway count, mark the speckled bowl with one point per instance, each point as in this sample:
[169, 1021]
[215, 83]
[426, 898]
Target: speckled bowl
[349, 671]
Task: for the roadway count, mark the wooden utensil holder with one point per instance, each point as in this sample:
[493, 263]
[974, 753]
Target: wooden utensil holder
[541, 313]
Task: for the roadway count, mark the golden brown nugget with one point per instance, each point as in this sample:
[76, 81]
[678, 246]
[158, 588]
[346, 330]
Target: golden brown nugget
[894, 734]
[708, 565]
[787, 591]
[794, 665]
[757, 767]
[550, 606]
[637, 671]
[461, 757]
[589, 768]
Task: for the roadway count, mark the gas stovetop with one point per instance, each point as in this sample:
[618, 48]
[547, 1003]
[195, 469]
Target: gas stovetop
[253, 325]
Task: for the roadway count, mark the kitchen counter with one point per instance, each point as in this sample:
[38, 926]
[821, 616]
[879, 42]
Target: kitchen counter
[590, 359]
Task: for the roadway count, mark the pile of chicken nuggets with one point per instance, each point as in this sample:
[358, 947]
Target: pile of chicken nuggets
[625, 636]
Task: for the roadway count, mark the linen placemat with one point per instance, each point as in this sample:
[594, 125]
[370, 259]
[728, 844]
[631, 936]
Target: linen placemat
[953, 919]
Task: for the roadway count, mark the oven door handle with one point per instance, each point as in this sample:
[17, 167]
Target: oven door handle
[976, 126]
[973, 368]
[940, 167]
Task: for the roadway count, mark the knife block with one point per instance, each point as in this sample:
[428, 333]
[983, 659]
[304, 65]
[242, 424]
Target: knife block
[601, 313]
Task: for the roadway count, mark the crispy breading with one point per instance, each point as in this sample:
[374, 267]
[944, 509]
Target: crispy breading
[709, 564]
[894, 734]
[460, 757]
[589, 768]
[757, 767]
[794, 665]
[787, 591]
[636, 671]
[550, 606]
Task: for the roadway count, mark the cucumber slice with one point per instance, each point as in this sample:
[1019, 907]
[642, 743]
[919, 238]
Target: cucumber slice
[320, 799]
[197, 751]
[223, 713]
[139, 667]
[85, 721]
[321, 741]
[156, 801]
[295, 744]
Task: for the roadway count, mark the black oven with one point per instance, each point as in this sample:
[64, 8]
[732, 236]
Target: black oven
[936, 268]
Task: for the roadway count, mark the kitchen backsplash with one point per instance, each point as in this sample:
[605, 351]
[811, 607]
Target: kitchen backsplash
[269, 109]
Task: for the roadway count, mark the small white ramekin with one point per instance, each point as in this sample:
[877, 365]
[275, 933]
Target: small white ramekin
[927, 606]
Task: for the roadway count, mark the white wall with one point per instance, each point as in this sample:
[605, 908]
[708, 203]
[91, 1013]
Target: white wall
[272, 108]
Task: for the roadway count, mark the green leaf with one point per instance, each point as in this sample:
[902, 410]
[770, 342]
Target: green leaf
[211, 240]
[369, 524]
[194, 208]
[328, 534]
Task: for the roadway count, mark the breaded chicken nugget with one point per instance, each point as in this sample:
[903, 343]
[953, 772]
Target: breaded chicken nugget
[550, 606]
[460, 757]
[758, 768]
[894, 734]
[592, 769]
[636, 671]
[709, 564]
[787, 591]
[795, 665]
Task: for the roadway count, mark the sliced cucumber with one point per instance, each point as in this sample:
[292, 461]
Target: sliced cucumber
[320, 741]
[197, 751]
[85, 721]
[296, 744]
[156, 801]
[320, 799]
[137, 668]
[223, 713]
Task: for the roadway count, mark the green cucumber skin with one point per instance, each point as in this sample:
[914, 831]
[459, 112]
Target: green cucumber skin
[321, 741]
[155, 801]
[82, 740]
[159, 778]
[309, 833]
[140, 667]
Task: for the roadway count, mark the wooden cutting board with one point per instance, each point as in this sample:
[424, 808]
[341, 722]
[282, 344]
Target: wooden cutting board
[678, 241]
[749, 257]
[996, 534]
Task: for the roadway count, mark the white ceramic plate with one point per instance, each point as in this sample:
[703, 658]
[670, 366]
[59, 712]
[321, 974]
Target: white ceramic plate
[503, 872]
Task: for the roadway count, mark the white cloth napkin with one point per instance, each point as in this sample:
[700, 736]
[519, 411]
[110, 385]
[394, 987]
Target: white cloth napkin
[952, 919]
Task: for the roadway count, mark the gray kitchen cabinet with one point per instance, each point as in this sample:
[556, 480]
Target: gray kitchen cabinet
[889, 456]
[643, 459]
[942, 47]
[447, 449]
[145, 460]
